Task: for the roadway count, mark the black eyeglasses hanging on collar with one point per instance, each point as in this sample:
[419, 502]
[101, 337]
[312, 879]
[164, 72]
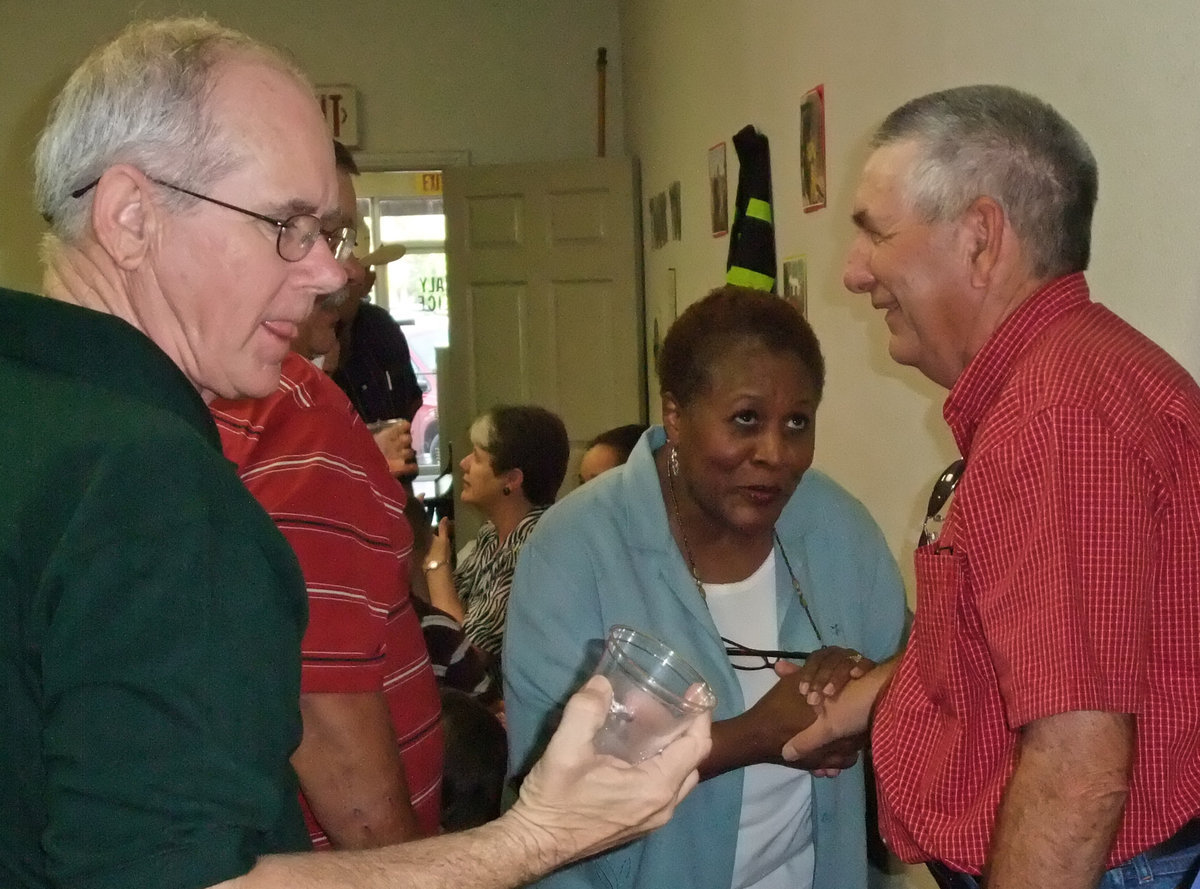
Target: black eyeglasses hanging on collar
[760, 658]
[939, 502]
[767, 658]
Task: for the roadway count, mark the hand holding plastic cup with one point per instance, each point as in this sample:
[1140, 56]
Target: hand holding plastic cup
[656, 695]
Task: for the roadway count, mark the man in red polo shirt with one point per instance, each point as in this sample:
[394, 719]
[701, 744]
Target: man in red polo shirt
[1043, 726]
[370, 762]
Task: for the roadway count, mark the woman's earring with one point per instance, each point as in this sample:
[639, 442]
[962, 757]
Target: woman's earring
[673, 461]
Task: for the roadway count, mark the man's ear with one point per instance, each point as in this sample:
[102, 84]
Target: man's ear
[123, 216]
[985, 229]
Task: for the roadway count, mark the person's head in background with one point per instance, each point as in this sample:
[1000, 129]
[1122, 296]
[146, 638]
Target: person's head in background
[972, 199]
[174, 204]
[317, 338]
[518, 459]
[609, 450]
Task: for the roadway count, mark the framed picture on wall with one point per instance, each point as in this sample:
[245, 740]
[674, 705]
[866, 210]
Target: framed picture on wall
[718, 188]
[812, 149]
[675, 197]
[658, 219]
[795, 282]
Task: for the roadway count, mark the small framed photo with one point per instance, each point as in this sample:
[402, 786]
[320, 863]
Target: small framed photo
[795, 282]
[812, 149]
[718, 186]
[675, 198]
[658, 220]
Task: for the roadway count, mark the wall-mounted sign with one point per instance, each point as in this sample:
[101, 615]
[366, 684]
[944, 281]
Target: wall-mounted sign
[431, 182]
[339, 104]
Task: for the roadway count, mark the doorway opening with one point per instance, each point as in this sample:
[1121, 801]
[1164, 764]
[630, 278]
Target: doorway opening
[405, 207]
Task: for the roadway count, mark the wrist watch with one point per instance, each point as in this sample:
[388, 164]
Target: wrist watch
[433, 565]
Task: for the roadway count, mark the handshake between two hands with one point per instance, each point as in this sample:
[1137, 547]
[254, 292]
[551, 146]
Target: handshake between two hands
[840, 685]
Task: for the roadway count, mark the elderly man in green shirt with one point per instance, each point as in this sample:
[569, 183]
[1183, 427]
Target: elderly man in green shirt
[149, 643]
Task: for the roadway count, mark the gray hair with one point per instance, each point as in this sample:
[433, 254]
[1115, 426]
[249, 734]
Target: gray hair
[1012, 147]
[141, 99]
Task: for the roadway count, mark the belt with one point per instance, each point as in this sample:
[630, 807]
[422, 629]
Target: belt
[1184, 838]
[948, 878]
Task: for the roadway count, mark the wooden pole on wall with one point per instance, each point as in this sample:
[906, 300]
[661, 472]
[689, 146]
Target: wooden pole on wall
[601, 72]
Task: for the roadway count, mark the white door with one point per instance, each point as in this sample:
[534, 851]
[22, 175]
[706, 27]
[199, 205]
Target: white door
[545, 305]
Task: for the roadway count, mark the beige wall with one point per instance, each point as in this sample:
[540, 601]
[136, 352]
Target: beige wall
[511, 81]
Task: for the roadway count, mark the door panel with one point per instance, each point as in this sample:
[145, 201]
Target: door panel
[498, 310]
[578, 217]
[494, 221]
[588, 324]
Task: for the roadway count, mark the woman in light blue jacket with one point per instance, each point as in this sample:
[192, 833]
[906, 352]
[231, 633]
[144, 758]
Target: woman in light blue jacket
[717, 538]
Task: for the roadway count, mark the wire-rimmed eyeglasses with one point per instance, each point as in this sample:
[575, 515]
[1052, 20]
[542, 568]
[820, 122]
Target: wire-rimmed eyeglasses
[939, 502]
[768, 657]
[297, 234]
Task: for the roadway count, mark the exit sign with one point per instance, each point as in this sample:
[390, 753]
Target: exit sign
[431, 183]
[339, 104]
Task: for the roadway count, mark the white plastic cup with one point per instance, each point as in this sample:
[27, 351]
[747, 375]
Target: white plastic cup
[656, 695]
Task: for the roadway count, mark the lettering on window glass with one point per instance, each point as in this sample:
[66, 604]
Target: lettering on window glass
[431, 296]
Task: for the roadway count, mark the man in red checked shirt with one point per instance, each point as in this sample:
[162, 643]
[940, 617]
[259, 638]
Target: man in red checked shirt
[1043, 726]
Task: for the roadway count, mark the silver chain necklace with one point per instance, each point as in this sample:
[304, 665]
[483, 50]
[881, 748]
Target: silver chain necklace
[672, 471]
